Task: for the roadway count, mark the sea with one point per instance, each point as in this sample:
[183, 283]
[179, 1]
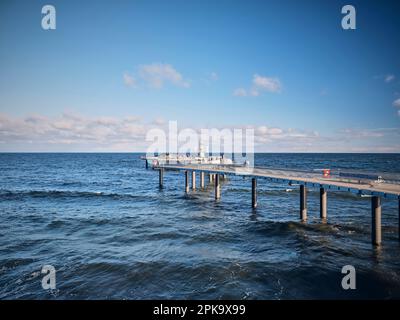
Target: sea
[108, 230]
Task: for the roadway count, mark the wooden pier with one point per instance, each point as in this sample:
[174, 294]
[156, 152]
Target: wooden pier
[360, 184]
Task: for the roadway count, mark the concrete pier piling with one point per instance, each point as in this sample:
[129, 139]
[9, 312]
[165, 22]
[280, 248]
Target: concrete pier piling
[217, 187]
[376, 220]
[202, 180]
[303, 203]
[254, 193]
[161, 177]
[193, 180]
[210, 177]
[323, 203]
[187, 181]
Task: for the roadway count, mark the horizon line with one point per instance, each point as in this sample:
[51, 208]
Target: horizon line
[140, 152]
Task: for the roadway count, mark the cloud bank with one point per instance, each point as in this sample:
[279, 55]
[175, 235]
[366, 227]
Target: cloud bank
[72, 132]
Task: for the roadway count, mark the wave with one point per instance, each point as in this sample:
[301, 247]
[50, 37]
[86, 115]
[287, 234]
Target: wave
[279, 228]
[9, 264]
[63, 194]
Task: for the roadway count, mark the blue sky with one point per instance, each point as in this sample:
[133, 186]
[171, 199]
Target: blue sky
[283, 65]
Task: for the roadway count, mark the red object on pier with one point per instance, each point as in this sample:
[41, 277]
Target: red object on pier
[326, 173]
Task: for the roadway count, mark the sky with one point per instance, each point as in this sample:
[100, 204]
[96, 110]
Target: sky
[113, 70]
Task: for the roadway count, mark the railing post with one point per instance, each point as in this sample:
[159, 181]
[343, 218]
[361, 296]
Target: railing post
[376, 220]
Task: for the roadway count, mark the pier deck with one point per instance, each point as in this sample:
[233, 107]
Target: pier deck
[314, 179]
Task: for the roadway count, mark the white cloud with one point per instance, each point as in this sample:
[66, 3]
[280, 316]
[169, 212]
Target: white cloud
[131, 119]
[260, 84]
[129, 80]
[159, 121]
[254, 92]
[275, 131]
[389, 78]
[396, 103]
[157, 74]
[267, 84]
[263, 130]
[362, 133]
[240, 92]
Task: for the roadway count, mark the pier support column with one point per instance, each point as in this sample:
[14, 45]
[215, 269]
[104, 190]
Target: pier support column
[217, 188]
[399, 219]
[187, 181]
[376, 220]
[323, 203]
[194, 180]
[210, 176]
[161, 177]
[254, 193]
[303, 203]
[202, 180]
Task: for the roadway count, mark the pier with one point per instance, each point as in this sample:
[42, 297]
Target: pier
[363, 184]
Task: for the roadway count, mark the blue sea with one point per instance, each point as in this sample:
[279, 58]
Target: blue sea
[111, 233]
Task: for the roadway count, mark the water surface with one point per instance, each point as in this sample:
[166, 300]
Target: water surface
[110, 232]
